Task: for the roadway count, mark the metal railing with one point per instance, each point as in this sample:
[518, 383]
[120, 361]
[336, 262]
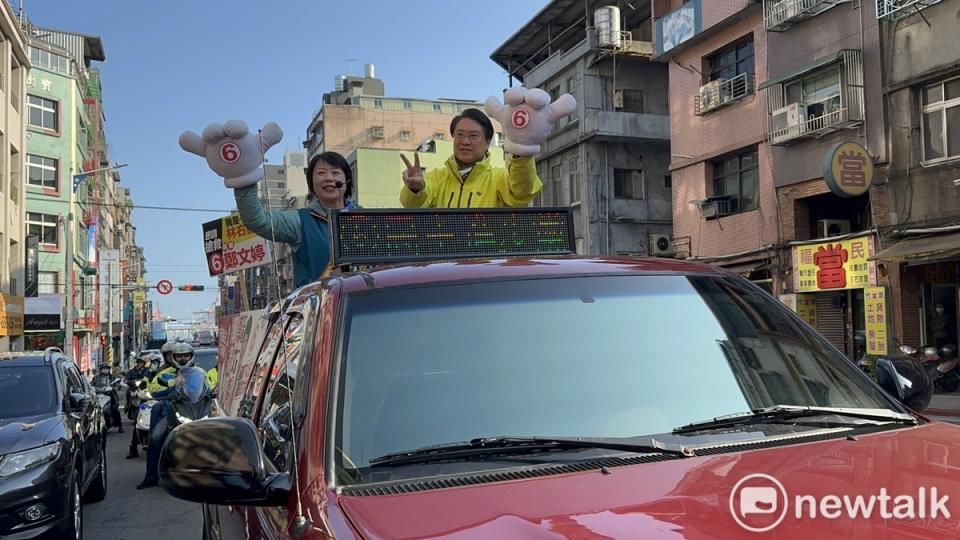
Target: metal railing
[897, 9]
[723, 94]
[811, 127]
[779, 14]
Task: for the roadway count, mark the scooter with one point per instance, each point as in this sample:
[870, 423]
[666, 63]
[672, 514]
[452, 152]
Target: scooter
[108, 398]
[145, 406]
[943, 367]
[133, 397]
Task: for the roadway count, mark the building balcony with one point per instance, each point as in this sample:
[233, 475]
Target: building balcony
[722, 92]
[780, 15]
[898, 9]
[626, 125]
[821, 98]
[814, 126]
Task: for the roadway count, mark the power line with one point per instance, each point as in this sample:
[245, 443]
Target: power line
[140, 206]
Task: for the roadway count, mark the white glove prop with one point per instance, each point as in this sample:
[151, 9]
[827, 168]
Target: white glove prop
[528, 117]
[232, 151]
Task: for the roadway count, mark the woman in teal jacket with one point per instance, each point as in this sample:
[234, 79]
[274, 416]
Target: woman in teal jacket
[330, 181]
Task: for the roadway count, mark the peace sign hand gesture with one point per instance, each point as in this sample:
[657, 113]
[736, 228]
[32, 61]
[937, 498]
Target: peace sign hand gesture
[413, 175]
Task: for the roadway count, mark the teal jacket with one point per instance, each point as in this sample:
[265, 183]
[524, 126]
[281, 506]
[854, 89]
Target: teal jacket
[306, 230]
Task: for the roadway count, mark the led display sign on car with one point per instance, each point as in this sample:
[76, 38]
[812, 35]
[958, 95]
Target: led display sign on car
[379, 236]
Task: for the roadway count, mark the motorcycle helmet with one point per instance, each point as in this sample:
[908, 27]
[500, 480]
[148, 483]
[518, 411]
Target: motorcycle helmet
[166, 350]
[105, 368]
[948, 351]
[182, 356]
[930, 352]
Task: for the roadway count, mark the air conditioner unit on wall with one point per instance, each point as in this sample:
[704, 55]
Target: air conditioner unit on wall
[661, 245]
[832, 227]
[793, 115]
[711, 94]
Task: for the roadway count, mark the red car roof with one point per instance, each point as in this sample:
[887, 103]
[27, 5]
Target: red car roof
[471, 269]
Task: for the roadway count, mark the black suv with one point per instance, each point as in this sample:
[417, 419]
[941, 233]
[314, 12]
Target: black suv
[52, 446]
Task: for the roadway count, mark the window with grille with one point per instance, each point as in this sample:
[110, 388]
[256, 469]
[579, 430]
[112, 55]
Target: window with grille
[736, 177]
[735, 59]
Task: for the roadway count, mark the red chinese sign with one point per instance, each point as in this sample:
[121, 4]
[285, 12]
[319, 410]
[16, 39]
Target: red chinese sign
[848, 169]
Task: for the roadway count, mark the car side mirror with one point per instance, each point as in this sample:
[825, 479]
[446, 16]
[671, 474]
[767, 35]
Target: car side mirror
[219, 461]
[76, 402]
[905, 379]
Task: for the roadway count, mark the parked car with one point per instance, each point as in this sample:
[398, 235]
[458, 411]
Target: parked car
[548, 397]
[52, 446]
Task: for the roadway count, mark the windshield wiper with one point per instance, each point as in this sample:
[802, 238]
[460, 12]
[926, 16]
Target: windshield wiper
[790, 412]
[516, 445]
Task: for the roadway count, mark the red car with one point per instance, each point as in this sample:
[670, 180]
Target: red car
[560, 397]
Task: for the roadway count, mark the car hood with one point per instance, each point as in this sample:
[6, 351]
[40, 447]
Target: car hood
[18, 434]
[689, 498]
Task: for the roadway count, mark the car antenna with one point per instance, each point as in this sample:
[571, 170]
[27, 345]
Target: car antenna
[301, 523]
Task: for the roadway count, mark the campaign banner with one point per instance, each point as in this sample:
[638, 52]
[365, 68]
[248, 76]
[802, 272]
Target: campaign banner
[239, 339]
[230, 246]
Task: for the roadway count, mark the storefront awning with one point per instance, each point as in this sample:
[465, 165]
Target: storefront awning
[927, 249]
[745, 268]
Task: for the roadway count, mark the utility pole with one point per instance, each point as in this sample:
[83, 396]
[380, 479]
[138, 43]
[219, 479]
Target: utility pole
[68, 282]
[68, 222]
[109, 312]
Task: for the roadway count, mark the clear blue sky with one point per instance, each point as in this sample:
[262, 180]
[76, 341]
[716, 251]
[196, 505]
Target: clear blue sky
[178, 65]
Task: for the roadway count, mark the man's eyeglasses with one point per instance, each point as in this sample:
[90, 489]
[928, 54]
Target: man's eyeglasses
[472, 137]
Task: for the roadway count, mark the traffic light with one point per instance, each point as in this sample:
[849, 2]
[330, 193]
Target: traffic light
[190, 288]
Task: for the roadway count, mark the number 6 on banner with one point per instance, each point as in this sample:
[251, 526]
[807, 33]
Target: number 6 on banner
[216, 263]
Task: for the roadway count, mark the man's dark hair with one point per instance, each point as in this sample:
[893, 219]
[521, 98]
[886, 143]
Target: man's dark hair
[334, 160]
[477, 116]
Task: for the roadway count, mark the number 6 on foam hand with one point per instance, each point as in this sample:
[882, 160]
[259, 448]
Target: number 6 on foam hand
[232, 151]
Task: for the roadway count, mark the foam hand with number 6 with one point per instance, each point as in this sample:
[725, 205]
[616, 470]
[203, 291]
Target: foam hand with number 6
[528, 117]
[232, 151]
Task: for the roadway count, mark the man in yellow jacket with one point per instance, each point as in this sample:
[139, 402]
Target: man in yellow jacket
[467, 180]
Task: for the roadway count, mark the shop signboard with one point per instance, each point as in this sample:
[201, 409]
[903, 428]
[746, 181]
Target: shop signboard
[837, 265]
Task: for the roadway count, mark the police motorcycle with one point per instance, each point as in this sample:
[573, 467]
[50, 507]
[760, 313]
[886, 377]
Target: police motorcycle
[107, 388]
[137, 387]
[144, 407]
[192, 399]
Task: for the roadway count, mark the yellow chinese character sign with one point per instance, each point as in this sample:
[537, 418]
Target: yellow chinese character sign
[843, 264]
[875, 313]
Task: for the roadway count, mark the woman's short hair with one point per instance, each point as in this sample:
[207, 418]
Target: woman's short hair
[334, 160]
[477, 116]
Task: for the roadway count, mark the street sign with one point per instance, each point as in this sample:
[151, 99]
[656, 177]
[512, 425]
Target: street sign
[164, 286]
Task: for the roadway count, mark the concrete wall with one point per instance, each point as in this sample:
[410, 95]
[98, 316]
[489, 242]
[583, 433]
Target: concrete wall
[55, 202]
[918, 55]
[697, 140]
[801, 45]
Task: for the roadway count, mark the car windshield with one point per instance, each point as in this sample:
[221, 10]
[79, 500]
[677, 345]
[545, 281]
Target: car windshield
[608, 356]
[26, 391]
[205, 358]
